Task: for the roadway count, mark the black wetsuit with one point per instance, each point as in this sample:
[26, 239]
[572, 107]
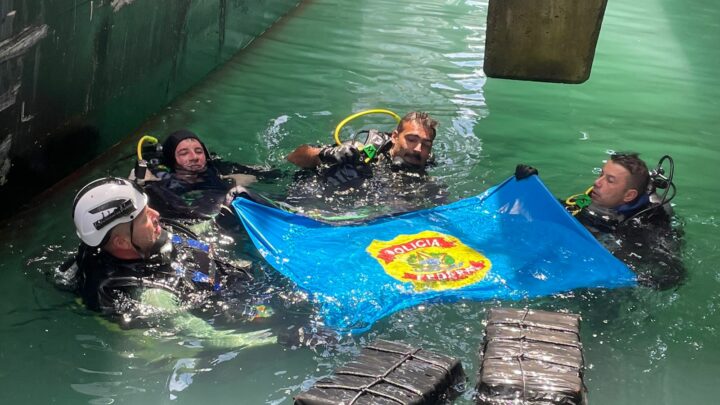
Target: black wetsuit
[183, 266]
[201, 198]
[382, 184]
[641, 235]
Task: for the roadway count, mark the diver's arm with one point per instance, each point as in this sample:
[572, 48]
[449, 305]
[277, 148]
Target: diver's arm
[193, 326]
[260, 172]
[242, 180]
[305, 156]
[308, 157]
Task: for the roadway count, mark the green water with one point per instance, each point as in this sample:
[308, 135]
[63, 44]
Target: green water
[653, 89]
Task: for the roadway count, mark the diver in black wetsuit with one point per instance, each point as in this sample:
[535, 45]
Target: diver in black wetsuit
[388, 170]
[139, 271]
[624, 211]
[190, 184]
[132, 269]
[125, 250]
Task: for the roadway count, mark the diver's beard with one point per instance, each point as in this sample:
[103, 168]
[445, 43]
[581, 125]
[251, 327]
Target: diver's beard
[399, 163]
[159, 243]
[154, 249]
[416, 157]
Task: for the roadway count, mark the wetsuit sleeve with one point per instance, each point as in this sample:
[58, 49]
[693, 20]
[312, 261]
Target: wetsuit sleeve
[195, 327]
[263, 173]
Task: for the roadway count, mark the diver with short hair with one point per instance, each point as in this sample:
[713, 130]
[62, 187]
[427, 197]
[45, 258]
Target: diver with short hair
[133, 269]
[387, 169]
[409, 145]
[624, 211]
[622, 193]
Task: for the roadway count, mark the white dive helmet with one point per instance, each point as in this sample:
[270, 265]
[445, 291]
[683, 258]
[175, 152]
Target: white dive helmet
[104, 203]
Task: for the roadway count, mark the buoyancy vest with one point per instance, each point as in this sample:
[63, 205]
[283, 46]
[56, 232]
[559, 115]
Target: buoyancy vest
[183, 266]
[645, 209]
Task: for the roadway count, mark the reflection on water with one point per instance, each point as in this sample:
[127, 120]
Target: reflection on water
[653, 89]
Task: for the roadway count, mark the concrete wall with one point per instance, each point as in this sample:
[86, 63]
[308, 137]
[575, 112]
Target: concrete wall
[542, 40]
[76, 76]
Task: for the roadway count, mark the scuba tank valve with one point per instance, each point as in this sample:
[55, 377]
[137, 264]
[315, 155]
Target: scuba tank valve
[148, 156]
[140, 171]
[657, 175]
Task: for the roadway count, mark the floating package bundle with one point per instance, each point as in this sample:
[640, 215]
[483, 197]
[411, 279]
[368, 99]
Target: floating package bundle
[388, 373]
[531, 357]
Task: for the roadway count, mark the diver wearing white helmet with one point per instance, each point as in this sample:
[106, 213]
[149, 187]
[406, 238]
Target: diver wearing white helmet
[112, 213]
[131, 267]
[125, 251]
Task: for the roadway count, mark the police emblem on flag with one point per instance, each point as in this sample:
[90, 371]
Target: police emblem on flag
[430, 260]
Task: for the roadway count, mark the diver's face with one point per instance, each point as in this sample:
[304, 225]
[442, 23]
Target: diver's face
[146, 229]
[413, 144]
[190, 155]
[610, 190]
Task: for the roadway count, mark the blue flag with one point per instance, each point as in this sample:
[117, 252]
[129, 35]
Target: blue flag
[514, 241]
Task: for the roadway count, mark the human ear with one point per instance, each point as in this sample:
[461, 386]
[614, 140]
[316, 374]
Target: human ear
[630, 195]
[120, 242]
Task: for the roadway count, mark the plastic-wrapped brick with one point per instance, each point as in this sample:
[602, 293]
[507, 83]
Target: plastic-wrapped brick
[388, 373]
[531, 357]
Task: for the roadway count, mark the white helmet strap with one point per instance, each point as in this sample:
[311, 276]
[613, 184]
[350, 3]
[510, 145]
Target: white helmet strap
[132, 242]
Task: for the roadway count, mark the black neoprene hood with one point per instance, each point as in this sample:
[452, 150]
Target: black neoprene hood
[173, 140]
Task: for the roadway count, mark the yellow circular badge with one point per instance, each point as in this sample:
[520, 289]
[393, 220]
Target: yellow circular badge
[430, 260]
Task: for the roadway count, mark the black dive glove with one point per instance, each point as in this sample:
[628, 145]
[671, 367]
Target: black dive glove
[524, 171]
[235, 192]
[339, 154]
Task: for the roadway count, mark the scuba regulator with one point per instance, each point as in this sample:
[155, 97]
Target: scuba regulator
[373, 144]
[576, 202]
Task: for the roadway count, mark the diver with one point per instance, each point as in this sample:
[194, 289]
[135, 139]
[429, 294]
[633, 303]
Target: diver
[134, 270]
[185, 182]
[625, 212]
[387, 169]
